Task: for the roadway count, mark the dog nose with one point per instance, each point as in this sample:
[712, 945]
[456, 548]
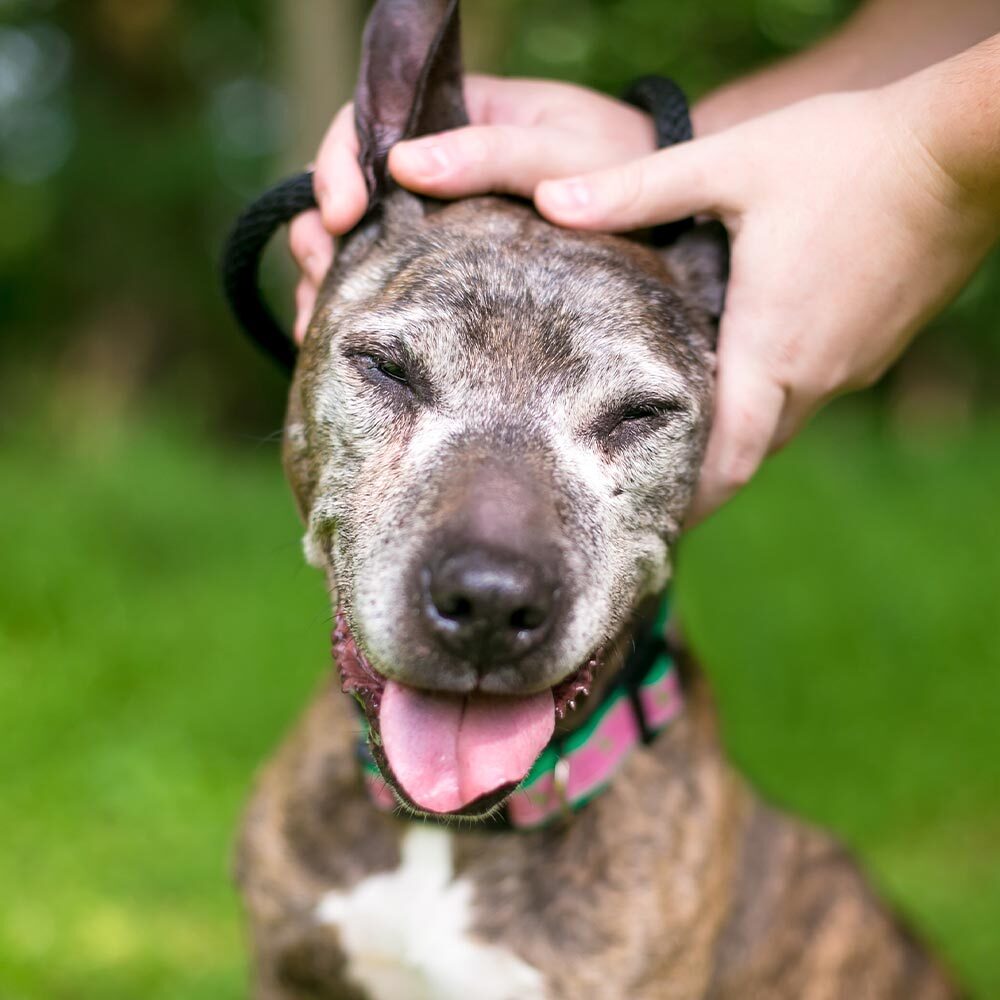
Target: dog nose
[488, 606]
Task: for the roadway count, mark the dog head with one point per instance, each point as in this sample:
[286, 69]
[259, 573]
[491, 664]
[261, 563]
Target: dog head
[494, 432]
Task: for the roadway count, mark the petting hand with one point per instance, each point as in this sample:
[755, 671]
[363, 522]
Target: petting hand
[522, 131]
[847, 236]
[854, 218]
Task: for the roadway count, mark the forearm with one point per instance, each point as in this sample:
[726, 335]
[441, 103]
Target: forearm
[953, 109]
[883, 41]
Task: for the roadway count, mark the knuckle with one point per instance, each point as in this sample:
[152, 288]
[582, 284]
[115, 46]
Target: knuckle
[862, 378]
[803, 373]
[298, 240]
[813, 383]
[630, 191]
[474, 146]
[737, 469]
[301, 241]
[788, 356]
[343, 121]
[836, 376]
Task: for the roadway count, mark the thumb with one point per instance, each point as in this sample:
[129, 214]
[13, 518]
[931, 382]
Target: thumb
[670, 184]
[749, 404]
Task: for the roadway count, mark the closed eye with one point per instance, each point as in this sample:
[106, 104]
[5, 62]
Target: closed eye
[630, 420]
[383, 370]
[392, 369]
[648, 410]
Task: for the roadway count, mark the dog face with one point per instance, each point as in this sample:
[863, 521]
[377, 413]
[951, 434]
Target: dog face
[494, 432]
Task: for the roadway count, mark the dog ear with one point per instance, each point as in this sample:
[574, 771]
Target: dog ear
[699, 260]
[410, 82]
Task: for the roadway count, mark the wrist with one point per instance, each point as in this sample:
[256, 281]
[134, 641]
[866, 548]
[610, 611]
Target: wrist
[834, 64]
[952, 111]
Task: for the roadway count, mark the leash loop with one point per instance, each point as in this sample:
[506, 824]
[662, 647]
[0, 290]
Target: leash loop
[667, 105]
[241, 256]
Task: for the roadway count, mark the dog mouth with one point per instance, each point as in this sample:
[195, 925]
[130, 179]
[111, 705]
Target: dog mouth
[450, 754]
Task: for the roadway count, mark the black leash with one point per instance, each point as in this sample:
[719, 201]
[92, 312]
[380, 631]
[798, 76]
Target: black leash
[241, 255]
[241, 258]
[666, 104]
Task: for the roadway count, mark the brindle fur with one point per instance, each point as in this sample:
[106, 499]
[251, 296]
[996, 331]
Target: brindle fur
[522, 342]
[677, 883]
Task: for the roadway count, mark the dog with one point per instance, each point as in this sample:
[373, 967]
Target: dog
[493, 434]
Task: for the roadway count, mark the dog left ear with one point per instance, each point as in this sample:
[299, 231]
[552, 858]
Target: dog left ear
[699, 260]
[410, 82]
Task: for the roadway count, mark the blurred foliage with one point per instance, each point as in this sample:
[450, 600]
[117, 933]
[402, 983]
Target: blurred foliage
[131, 131]
[605, 43]
[157, 641]
[163, 122]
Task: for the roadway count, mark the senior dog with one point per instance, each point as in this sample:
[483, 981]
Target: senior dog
[493, 434]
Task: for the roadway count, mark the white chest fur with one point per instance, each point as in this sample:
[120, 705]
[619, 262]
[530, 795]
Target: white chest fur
[406, 933]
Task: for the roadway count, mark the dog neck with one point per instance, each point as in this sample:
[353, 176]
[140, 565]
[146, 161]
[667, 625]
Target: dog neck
[635, 700]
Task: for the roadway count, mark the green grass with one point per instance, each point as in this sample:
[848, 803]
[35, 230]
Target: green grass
[849, 608]
[159, 631]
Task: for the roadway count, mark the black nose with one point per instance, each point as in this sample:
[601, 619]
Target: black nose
[488, 606]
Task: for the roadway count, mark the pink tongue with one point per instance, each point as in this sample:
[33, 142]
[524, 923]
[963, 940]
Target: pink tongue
[447, 750]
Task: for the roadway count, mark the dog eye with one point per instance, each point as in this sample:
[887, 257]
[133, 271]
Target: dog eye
[382, 369]
[644, 411]
[633, 419]
[391, 370]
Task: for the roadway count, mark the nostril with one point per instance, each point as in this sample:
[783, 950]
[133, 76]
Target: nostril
[487, 605]
[456, 607]
[527, 619]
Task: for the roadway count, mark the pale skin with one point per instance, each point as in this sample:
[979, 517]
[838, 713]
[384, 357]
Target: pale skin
[859, 182]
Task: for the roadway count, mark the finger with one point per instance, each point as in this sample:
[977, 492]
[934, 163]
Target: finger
[664, 186]
[748, 408]
[507, 158]
[305, 303]
[311, 246]
[337, 180]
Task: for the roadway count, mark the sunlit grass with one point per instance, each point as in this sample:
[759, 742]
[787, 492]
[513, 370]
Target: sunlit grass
[158, 632]
[849, 607]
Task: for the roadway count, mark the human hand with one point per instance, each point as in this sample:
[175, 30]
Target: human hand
[522, 131]
[847, 236]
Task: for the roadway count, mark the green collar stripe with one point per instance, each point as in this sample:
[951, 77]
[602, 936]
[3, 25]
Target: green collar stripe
[662, 666]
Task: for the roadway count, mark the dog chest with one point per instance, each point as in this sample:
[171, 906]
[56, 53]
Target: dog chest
[407, 933]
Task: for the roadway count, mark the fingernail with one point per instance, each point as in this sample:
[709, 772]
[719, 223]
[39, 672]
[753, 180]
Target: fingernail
[429, 159]
[569, 195]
